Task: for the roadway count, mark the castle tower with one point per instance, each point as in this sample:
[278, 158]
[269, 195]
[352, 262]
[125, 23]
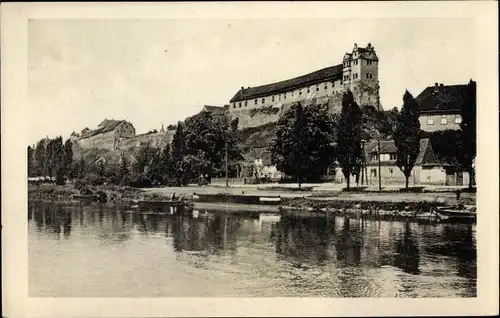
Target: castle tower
[361, 75]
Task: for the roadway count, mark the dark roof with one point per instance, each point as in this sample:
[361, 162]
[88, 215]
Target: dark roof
[426, 156]
[283, 86]
[386, 146]
[214, 109]
[109, 126]
[442, 99]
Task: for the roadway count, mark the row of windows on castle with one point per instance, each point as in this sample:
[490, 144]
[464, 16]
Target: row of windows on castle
[356, 76]
[299, 92]
[356, 62]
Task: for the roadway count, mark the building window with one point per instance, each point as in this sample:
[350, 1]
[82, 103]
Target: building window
[317, 88]
[272, 98]
[256, 102]
[308, 90]
[458, 119]
[234, 105]
[246, 103]
[300, 92]
[374, 173]
[239, 104]
[392, 156]
[263, 100]
[284, 96]
[444, 120]
[391, 172]
[326, 86]
[430, 121]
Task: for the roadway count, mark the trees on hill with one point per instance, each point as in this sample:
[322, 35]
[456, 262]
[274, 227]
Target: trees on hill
[406, 136]
[349, 152]
[303, 146]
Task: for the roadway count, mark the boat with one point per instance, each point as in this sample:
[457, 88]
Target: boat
[431, 216]
[465, 213]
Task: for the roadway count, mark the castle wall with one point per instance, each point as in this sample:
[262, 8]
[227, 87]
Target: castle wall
[103, 141]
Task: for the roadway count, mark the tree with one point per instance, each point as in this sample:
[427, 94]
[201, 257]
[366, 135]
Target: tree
[406, 136]
[349, 152]
[31, 162]
[303, 145]
[41, 158]
[467, 149]
[177, 153]
[207, 137]
[166, 165]
[68, 157]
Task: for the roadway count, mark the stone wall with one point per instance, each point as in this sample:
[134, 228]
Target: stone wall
[248, 118]
[102, 141]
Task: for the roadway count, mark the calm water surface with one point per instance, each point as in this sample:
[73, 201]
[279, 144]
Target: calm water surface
[96, 251]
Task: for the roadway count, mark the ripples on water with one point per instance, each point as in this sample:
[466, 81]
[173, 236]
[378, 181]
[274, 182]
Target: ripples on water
[96, 251]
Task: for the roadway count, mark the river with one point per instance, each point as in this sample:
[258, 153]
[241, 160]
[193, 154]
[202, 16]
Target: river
[100, 251]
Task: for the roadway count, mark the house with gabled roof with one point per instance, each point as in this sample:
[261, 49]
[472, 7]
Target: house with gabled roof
[440, 105]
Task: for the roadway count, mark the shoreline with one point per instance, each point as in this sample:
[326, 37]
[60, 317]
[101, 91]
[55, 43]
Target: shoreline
[394, 206]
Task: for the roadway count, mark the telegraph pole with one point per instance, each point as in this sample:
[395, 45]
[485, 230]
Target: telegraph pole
[378, 142]
[227, 180]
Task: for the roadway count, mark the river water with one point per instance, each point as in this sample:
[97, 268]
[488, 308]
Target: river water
[96, 251]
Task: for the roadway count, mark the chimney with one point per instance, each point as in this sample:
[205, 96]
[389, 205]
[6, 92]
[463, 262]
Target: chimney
[441, 85]
[436, 87]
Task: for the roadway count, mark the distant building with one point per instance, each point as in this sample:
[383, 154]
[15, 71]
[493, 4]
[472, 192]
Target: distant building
[107, 135]
[221, 110]
[357, 72]
[439, 106]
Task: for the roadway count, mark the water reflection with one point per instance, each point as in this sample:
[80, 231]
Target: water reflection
[345, 250]
[407, 255]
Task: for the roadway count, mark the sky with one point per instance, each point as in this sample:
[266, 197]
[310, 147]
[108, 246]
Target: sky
[154, 72]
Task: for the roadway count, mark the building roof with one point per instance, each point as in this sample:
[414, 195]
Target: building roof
[327, 73]
[104, 126]
[214, 109]
[442, 98]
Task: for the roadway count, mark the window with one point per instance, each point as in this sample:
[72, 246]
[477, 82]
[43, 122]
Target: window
[373, 173]
[263, 100]
[272, 99]
[430, 121]
[317, 88]
[234, 105]
[326, 86]
[246, 103]
[368, 62]
[392, 156]
[391, 172]
[256, 102]
[239, 104]
[458, 119]
[308, 90]
[444, 120]
[300, 92]
[284, 96]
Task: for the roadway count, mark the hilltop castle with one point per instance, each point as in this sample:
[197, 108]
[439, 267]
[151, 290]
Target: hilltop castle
[357, 72]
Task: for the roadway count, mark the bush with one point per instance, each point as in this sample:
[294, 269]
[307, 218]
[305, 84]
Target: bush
[92, 179]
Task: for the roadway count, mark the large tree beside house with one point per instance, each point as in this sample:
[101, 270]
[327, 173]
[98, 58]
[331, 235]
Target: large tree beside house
[407, 136]
[303, 145]
[349, 152]
[467, 148]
